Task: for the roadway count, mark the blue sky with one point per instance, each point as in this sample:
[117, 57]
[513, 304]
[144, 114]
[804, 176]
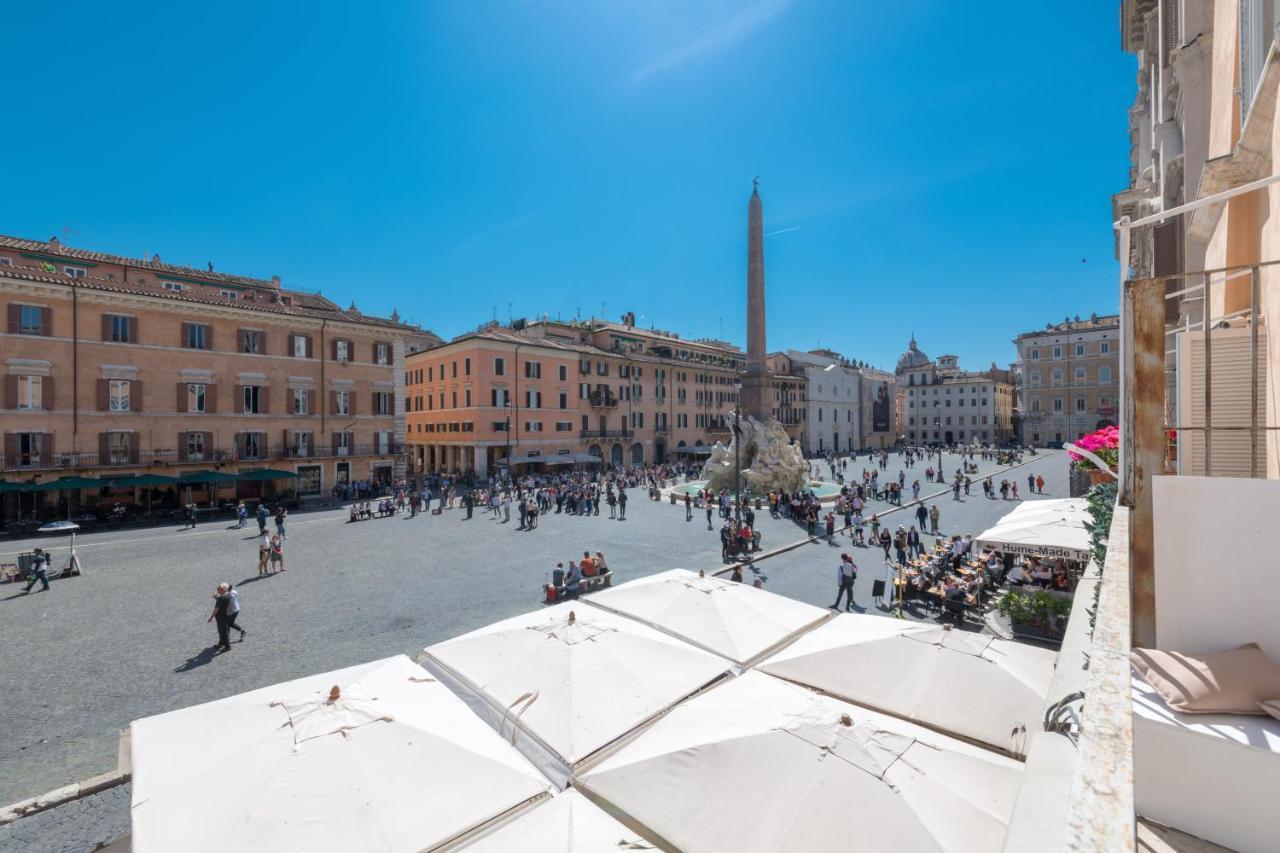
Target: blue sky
[937, 167]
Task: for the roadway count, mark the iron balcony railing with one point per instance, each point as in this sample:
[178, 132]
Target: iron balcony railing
[605, 433]
[149, 458]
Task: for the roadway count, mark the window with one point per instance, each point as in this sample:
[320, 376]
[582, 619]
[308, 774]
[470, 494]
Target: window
[381, 353]
[197, 336]
[499, 426]
[564, 400]
[195, 447]
[382, 402]
[533, 399]
[533, 426]
[29, 447]
[563, 372]
[1035, 379]
[195, 397]
[1104, 347]
[1057, 404]
[1035, 405]
[300, 442]
[453, 399]
[602, 368]
[116, 328]
[466, 366]
[251, 341]
[498, 397]
[229, 295]
[30, 392]
[1057, 352]
[30, 320]
[466, 402]
[302, 401]
[118, 395]
[1057, 377]
[342, 350]
[1080, 402]
[173, 286]
[532, 370]
[342, 402]
[499, 367]
[75, 272]
[1104, 374]
[342, 443]
[299, 346]
[1079, 350]
[1082, 376]
[252, 399]
[564, 426]
[5, 262]
[255, 446]
[118, 448]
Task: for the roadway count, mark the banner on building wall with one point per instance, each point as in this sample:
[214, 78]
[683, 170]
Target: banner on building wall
[881, 411]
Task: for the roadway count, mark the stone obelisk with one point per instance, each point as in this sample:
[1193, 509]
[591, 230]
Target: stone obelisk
[755, 379]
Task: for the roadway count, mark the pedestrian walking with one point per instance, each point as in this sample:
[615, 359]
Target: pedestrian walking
[846, 576]
[1040, 483]
[262, 518]
[191, 516]
[221, 601]
[233, 611]
[934, 515]
[281, 515]
[688, 507]
[277, 554]
[242, 515]
[264, 552]
[622, 504]
[1031, 483]
[39, 570]
[709, 526]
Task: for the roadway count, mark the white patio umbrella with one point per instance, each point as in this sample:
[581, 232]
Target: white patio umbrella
[969, 685]
[731, 619]
[376, 757]
[564, 823]
[1052, 528]
[756, 764]
[565, 681]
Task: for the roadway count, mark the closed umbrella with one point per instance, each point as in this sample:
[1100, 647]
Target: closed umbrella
[73, 563]
[377, 757]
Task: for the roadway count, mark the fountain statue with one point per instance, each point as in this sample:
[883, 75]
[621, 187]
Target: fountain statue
[769, 459]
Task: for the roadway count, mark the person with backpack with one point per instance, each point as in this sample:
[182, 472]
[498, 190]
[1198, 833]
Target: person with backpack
[846, 576]
[233, 610]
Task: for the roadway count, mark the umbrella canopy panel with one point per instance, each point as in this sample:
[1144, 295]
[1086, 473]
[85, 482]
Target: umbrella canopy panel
[731, 619]
[813, 773]
[571, 679]
[394, 763]
[1051, 528]
[569, 821]
[970, 685]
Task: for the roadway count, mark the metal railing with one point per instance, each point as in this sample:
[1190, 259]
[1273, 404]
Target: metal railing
[605, 433]
[82, 460]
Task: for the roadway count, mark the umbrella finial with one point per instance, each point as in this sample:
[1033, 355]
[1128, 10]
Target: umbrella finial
[846, 720]
[334, 693]
[572, 617]
[702, 573]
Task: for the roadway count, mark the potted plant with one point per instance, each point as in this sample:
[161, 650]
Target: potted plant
[1104, 445]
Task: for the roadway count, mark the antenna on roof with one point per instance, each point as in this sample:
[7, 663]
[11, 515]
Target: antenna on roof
[508, 313]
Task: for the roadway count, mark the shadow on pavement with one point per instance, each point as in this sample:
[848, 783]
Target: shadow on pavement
[197, 660]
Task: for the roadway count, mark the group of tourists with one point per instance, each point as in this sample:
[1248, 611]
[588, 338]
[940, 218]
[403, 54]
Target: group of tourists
[567, 583]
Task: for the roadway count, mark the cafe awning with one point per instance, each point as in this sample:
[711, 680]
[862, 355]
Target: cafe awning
[208, 477]
[68, 482]
[1050, 528]
[267, 474]
[141, 480]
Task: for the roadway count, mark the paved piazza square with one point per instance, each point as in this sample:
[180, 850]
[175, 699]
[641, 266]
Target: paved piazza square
[129, 638]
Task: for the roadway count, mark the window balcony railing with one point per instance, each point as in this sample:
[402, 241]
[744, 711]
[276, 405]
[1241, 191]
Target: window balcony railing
[605, 433]
[149, 458]
[602, 401]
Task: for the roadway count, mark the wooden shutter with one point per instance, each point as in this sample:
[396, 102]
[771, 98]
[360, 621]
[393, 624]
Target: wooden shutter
[11, 392]
[181, 405]
[333, 402]
[46, 448]
[352, 407]
[46, 321]
[208, 446]
[135, 395]
[104, 447]
[285, 445]
[237, 405]
[182, 447]
[46, 392]
[15, 317]
[133, 330]
[310, 347]
[1168, 261]
[334, 443]
[1169, 22]
[106, 327]
[182, 340]
[104, 395]
[135, 440]
[262, 342]
[264, 399]
[373, 403]
[239, 340]
[210, 398]
[11, 450]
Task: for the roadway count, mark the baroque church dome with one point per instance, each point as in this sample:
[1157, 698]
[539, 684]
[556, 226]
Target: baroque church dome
[913, 357]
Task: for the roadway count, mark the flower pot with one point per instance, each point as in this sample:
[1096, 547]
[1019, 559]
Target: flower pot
[1097, 476]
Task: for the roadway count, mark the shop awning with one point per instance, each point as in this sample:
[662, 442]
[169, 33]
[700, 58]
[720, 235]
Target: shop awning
[1052, 528]
[141, 480]
[208, 477]
[267, 474]
[69, 482]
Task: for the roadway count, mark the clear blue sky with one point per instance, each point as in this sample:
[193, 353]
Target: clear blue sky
[937, 167]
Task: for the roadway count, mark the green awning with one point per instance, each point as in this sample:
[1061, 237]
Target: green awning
[69, 482]
[142, 480]
[267, 474]
[10, 487]
[208, 477]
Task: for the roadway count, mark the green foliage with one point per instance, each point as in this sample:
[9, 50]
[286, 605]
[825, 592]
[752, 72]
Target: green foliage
[1101, 503]
[1033, 608]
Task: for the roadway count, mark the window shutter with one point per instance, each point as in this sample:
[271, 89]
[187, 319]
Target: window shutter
[285, 444]
[181, 405]
[373, 403]
[1168, 261]
[183, 334]
[133, 330]
[210, 398]
[1169, 20]
[46, 321]
[15, 318]
[237, 405]
[135, 396]
[208, 446]
[46, 392]
[106, 327]
[182, 447]
[334, 443]
[264, 399]
[333, 402]
[104, 447]
[262, 342]
[11, 449]
[333, 349]
[135, 440]
[239, 340]
[208, 337]
[352, 408]
[311, 353]
[46, 447]
[11, 392]
[104, 395]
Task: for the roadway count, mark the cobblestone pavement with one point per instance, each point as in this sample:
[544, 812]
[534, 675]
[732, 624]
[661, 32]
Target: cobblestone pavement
[74, 827]
[129, 638]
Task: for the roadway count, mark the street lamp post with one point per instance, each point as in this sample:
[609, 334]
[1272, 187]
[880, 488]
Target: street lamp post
[506, 405]
[737, 452]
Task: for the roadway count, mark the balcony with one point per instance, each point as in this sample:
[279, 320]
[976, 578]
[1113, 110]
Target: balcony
[600, 400]
[150, 458]
[606, 433]
[662, 429]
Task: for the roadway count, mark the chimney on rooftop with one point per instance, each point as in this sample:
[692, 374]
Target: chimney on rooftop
[210, 266]
[275, 282]
[53, 241]
[155, 259]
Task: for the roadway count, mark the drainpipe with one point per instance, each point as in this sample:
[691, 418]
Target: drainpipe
[75, 365]
[322, 401]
